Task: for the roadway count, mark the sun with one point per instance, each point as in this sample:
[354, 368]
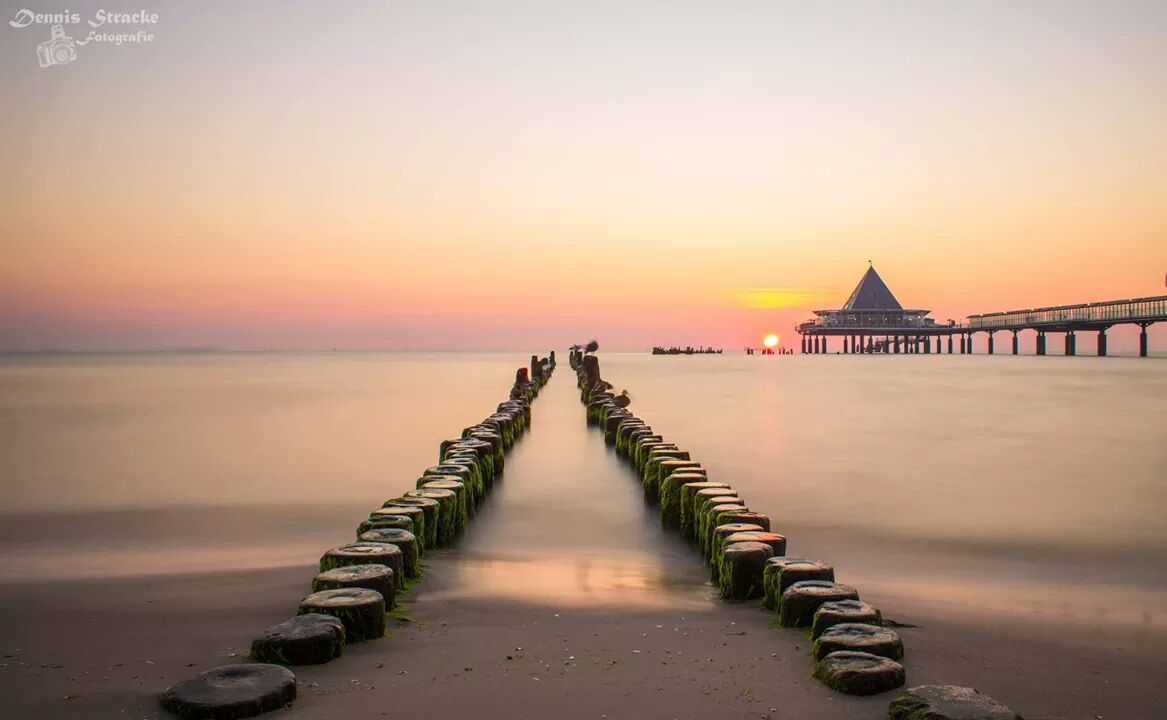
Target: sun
[770, 341]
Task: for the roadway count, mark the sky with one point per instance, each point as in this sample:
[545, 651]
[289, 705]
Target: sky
[510, 175]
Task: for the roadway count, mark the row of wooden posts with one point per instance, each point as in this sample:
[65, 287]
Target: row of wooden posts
[359, 582]
[853, 652]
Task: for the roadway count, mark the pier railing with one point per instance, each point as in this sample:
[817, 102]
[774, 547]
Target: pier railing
[1112, 312]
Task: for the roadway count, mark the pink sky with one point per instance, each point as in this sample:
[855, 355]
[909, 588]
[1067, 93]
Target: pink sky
[293, 175]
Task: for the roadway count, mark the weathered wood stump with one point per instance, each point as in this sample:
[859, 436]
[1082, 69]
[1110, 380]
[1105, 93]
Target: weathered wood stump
[366, 553]
[231, 691]
[370, 577]
[447, 519]
[802, 599]
[310, 639]
[741, 570]
[461, 493]
[430, 507]
[860, 638]
[668, 492]
[947, 702]
[688, 510]
[405, 541]
[859, 673]
[385, 520]
[838, 612]
[656, 473]
[782, 572]
[362, 611]
[708, 518]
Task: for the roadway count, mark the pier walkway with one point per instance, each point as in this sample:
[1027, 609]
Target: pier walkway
[881, 332]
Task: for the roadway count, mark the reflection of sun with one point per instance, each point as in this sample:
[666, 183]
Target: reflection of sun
[770, 340]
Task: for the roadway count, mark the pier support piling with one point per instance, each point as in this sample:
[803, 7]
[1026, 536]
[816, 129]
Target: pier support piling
[990, 343]
[1015, 345]
[1040, 342]
[950, 344]
[1143, 339]
[1070, 343]
[1102, 342]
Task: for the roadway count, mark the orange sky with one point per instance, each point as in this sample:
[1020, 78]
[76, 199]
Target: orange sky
[292, 175]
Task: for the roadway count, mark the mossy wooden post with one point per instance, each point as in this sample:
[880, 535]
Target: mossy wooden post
[783, 571]
[612, 424]
[385, 520]
[646, 448]
[625, 430]
[750, 517]
[630, 435]
[447, 512]
[405, 541]
[635, 448]
[688, 510]
[861, 638]
[425, 526]
[462, 473]
[674, 474]
[802, 599]
[477, 481]
[654, 471]
[859, 673]
[708, 519]
[721, 541]
[838, 612]
[367, 553]
[309, 639]
[370, 577]
[741, 570]
[362, 611]
[721, 532]
[461, 493]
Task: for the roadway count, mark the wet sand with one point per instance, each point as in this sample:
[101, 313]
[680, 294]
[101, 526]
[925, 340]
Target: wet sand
[564, 599]
[99, 649]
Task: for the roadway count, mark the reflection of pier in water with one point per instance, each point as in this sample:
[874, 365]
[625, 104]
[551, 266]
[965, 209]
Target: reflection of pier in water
[873, 321]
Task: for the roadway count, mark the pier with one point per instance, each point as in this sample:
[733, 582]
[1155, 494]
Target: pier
[873, 321]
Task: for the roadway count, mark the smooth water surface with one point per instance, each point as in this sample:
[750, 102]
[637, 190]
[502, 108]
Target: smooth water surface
[994, 487]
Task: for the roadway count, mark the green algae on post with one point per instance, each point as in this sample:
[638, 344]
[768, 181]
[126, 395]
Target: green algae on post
[426, 528]
[782, 572]
[461, 494]
[362, 611]
[689, 491]
[673, 475]
[448, 520]
[310, 639]
[740, 577]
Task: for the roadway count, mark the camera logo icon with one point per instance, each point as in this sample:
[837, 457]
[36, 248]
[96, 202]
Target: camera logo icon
[59, 49]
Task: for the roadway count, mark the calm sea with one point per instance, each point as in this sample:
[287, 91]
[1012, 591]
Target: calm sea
[989, 487]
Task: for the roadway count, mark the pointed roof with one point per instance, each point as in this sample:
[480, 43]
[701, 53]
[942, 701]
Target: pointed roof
[872, 294]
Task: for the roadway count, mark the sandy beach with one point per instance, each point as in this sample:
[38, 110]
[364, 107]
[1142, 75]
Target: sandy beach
[564, 598]
[105, 649]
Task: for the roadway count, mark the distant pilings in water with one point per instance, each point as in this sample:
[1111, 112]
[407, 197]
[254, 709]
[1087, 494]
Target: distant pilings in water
[359, 582]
